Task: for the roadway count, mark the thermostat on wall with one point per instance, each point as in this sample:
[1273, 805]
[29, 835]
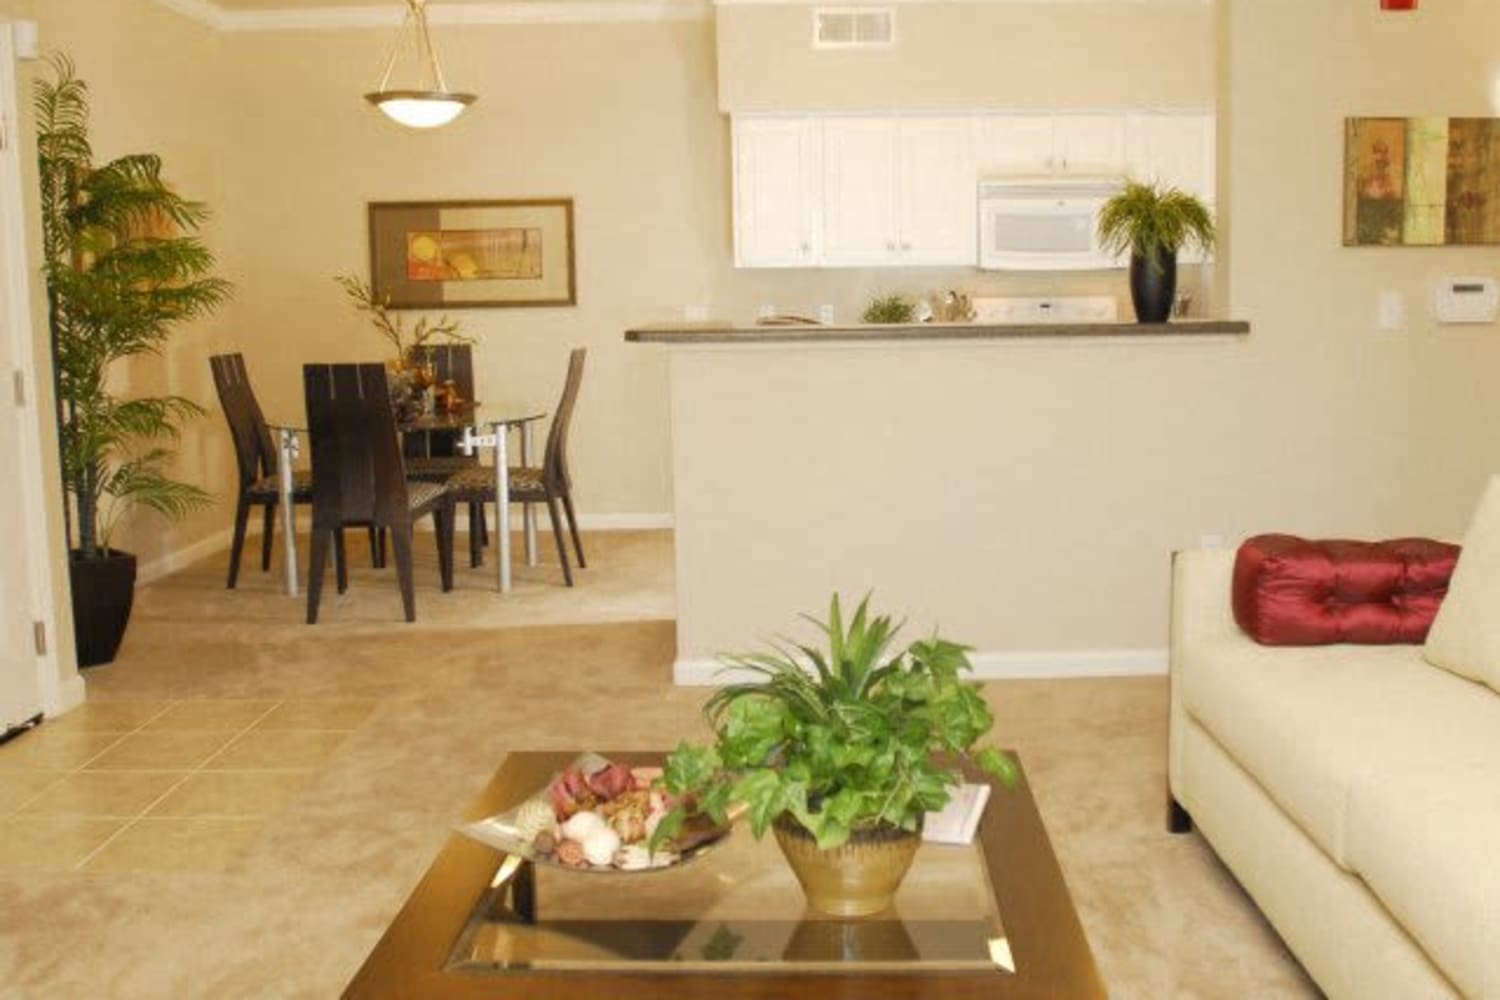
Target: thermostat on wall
[1467, 300]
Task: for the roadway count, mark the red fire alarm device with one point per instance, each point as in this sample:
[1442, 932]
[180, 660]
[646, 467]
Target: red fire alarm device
[1398, 4]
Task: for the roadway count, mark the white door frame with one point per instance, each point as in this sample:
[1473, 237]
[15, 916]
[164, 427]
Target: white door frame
[15, 272]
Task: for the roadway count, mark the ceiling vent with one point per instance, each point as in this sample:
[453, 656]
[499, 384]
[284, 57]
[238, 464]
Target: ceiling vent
[854, 27]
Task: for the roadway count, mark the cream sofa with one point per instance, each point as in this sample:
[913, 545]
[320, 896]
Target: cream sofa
[1354, 791]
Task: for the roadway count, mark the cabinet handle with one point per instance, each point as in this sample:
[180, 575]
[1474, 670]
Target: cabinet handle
[890, 246]
[906, 246]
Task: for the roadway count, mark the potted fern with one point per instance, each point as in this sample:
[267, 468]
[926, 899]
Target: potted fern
[122, 270]
[840, 754]
[1154, 223]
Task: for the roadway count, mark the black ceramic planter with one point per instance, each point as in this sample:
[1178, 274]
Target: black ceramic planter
[103, 592]
[1153, 285]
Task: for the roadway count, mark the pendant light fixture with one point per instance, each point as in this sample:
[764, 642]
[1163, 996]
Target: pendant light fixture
[432, 103]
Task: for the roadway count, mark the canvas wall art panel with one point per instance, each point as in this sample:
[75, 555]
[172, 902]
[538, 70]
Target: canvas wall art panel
[460, 254]
[1421, 181]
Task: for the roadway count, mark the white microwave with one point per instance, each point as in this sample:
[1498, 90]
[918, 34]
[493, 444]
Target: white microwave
[1043, 223]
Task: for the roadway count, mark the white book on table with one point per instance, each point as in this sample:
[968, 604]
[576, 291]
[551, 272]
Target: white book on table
[957, 822]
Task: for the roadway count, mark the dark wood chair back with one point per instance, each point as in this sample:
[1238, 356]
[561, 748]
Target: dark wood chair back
[254, 449]
[361, 478]
[449, 362]
[455, 363]
[555, 458]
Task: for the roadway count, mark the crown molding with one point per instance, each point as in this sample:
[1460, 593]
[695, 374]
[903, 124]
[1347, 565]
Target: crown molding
[965, 3]
[389, 15]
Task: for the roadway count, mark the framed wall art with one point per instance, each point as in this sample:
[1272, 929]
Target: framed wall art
[1421, 181]
[473, 254]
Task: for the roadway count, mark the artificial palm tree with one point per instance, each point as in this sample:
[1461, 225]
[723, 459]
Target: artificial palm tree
[120, 276]
[122, 270]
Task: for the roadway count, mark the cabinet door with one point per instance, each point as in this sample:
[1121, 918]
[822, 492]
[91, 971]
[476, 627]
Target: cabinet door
[859, 190]
[1014, 144]
[937, 191]
[1090, 144]
[776, 186]
[1177, 150]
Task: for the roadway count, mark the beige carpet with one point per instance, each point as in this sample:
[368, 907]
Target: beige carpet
[295, 909]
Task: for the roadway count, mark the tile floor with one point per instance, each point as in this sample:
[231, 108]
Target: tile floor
[179, 785]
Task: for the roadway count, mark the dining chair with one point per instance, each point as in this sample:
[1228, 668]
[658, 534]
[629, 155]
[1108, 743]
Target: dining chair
[551, 484]
[361, 478]
[449, 363]
[434, 455]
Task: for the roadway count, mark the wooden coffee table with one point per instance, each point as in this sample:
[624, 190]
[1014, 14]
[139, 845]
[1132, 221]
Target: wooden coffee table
[991, 919]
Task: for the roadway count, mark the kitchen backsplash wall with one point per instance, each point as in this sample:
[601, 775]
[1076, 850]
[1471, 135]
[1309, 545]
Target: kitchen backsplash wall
[1145, 53]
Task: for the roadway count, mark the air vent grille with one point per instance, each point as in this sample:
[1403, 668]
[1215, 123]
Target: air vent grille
[854, 27]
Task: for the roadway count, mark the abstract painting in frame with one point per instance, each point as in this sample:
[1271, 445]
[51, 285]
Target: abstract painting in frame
[1421, 181]
[471, 254]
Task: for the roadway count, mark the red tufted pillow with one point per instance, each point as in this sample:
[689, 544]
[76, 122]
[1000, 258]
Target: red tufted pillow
[1289, 591]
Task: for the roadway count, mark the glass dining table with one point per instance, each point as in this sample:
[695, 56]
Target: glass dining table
[492, 432]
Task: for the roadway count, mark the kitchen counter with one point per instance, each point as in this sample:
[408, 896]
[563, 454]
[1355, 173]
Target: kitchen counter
[724, 333]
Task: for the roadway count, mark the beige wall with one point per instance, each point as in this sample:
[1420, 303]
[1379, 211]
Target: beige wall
[1027, 497]
[1102, 457]
[974, 55]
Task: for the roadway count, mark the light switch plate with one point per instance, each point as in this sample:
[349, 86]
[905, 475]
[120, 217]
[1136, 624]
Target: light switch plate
[1392, 311]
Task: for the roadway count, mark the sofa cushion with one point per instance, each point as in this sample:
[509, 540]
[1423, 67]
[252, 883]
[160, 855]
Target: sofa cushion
[1466, 635]
[1308, 723]
[1424, 840]
[1289, 591]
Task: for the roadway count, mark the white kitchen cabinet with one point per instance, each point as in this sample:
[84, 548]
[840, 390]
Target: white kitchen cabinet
[1050, 143]
[898, 190]
[860, 190]
[777, 191]
[1175, 149]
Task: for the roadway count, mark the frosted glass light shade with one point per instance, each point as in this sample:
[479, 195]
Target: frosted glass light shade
[420, 108]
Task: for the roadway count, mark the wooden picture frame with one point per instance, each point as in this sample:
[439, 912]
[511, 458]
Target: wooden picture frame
[473, 254]
[1421, 181]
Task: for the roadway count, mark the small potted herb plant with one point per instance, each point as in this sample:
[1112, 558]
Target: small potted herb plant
[1153, 223]
[840, 757]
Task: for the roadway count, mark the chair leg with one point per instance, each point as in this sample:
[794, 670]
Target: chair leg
[562, 546]
[484, 528]
[241, 515]
[340, 561]
[376, 556]
[401, 543]
[317, 559]
[567, 499]
[476, 535]
[380, 545]
[443, 518]
[267, 531]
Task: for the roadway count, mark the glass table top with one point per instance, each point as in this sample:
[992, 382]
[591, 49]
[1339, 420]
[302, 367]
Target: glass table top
[736, 908]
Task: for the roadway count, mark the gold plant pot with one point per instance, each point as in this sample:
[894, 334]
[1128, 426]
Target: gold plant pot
[855, 880]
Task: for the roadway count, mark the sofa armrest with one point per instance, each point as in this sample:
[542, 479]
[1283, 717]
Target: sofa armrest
[1202, 612]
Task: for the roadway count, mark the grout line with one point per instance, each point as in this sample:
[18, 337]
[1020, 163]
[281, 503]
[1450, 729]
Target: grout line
[174, 786]
[130, 824]
[203, 766]
[66, 773]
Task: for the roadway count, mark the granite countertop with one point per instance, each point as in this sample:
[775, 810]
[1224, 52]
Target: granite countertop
[725, 333]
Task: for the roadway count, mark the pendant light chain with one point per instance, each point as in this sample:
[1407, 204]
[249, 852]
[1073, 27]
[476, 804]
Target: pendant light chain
[422, 108]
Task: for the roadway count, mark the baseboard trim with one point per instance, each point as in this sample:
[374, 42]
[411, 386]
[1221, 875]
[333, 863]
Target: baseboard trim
[179, 558]
[220, 541]
[1045, 665]
[63, 696]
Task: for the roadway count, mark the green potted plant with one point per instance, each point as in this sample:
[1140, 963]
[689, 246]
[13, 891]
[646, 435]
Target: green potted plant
[1154, 223]
[889, 309]
[122, 271]
[840, 755]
